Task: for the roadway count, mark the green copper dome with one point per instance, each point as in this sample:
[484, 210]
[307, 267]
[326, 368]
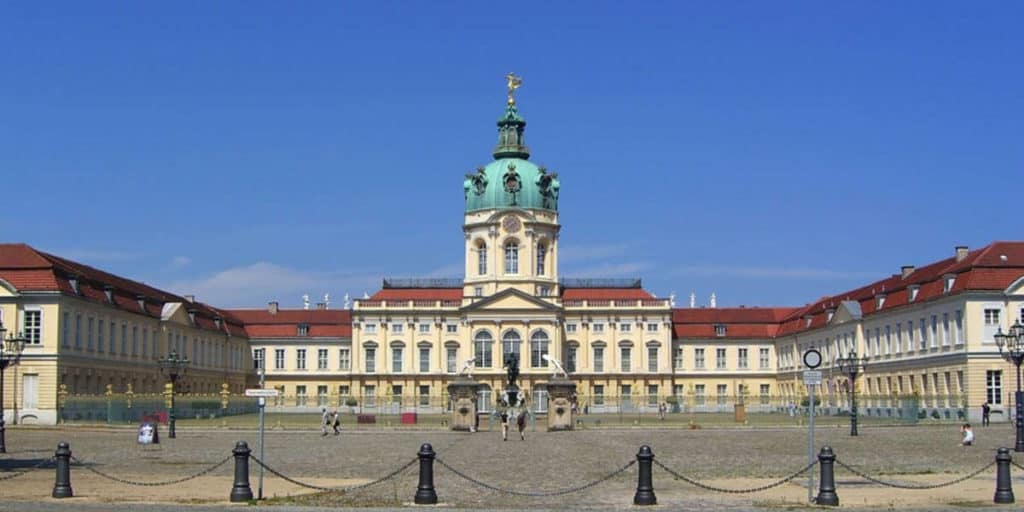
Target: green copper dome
[511, 181]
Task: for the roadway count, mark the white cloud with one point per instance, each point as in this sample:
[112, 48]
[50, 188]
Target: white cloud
[180, 261]
[769, 272]
[256, 284]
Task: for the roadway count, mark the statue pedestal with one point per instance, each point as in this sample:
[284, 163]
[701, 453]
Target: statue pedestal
[463, 392]
[560, 393]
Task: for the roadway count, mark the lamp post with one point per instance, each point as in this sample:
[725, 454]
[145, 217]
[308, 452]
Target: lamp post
[1013, 342]
[174, 367]
[10, 353]
[852, 366]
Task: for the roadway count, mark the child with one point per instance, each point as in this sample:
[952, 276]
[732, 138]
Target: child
[968, 435]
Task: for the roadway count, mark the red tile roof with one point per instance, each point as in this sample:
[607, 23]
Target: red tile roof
[605, 293]
[418, 294]
[738, 322]
[323, 323]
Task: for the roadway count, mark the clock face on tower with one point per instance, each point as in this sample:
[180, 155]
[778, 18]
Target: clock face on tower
[511, 224]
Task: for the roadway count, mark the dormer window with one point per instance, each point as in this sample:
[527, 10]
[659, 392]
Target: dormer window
[192, 315]
[73, 280]
[720, 330]
[109, 292]
[302, 330]
[912, 292]
[879, 301]
[829, 314]
[807, 320]
[217, 321]
[947, 282]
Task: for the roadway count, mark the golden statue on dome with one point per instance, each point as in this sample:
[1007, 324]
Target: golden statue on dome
[514, 82]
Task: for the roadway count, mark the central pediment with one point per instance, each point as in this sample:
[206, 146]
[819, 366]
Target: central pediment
[511, 299]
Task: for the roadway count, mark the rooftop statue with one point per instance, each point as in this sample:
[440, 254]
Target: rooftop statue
[467, 368]
[514, 82]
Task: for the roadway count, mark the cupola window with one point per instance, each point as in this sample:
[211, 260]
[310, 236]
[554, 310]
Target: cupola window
[511, 257]
[481, 259]
[542, 252]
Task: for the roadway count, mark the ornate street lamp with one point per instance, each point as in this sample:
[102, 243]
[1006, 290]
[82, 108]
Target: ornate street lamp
[1013, 342]
[852, 365]
[10, 353]
[174, 367]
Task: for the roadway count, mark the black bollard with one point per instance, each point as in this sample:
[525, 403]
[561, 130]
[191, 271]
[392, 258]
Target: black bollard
[241, 491]
[62, 484]
[1004, 485]
[644, 484]
[827, 489]
[425, 494]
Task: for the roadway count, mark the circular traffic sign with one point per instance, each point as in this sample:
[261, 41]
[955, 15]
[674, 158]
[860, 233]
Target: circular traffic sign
[812, 358]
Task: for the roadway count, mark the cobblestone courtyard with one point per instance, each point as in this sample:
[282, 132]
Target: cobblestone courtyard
[731, 458]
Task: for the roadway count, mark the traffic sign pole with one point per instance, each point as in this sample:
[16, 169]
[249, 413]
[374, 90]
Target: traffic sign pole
[810, 448]
[812, 377]
[262, 402]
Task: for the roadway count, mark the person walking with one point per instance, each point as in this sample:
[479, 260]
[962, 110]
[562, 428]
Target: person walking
[986, 412]
[324, 421]
[521, 424]
[337, 423]
[504, 425]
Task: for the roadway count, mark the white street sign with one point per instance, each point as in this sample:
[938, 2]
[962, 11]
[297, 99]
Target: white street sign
[812, 377]
[263, 392]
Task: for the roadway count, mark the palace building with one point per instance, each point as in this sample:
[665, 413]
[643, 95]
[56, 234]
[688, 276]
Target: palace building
[927, 332]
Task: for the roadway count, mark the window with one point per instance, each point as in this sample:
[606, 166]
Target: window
[544, 291]
[652, 394]
[300, 359]
[321, 359]
[343, 392]
[945, 329]
[742, 361]
[397, 328]
[396, 359]
[542, 252]
[598, 359]
[396, 394]
[321, 396]
[762, 356]
[720, 362]
[598, 394]
[124, 340]
[625, 327]
[677, 358]
[424, 396]
[258, 357]
[924, 334]
[570, 328]
[538, 349]
[483, 345]
[652, 327]
[899, 337]
[652, 359]
[698, 358]
[698, 390]
[451, 359]
[935, 330]
[959, 332]
[88, 335]
[481, 259]
[300, 395]
[371, 360]
[597, 328]
[78, 329]
[370, 395]
[570, 361]
[145, 341]
[764, 394]
[478, 291]
[424, 328]
[452, 328]
[992, 317]
[67, 329]
[370, 328]
[344, 359]
[135, 339]
[626, 366]
[302, 330]
[720, 330]
[994, 386]
[424, 359]
[511, 258]
[99, 335]
[510, 344]
[910, 335]
[888, 340]
[279, 359]
[723, 394]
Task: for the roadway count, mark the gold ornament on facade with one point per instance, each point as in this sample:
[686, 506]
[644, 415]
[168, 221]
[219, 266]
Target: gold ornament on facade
[514, 82]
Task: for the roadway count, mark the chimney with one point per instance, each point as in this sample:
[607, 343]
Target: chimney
[693, 300]
[190, 298]
[714, 303]
[906, 270]
[961, 253]
[272, 307]
[321, 306]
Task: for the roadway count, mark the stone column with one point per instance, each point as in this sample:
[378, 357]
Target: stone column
[463, 393]
[560, 392]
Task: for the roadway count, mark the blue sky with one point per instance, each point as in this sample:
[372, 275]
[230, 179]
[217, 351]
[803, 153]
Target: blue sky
[770, 152]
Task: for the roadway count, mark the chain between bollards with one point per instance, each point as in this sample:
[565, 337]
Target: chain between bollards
[62, 482]
[644, 482]
[1004, 485]
[425, 493]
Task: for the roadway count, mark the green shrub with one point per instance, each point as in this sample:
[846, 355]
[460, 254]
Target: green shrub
[351, 402]
[672, 399]
[807, 402]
